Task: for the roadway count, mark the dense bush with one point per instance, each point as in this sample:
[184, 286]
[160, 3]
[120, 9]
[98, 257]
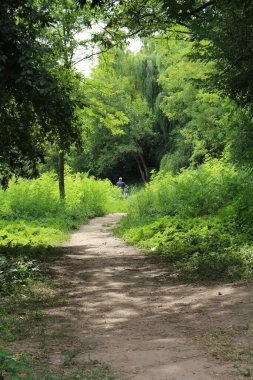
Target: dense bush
[200, 220]
[191, 193]
[205, 247]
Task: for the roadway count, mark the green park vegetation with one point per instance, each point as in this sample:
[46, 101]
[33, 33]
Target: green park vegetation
[198, 220]
[175, 119]
[34, 218]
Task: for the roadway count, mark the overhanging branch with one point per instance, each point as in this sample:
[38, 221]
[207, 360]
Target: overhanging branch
[202, 7]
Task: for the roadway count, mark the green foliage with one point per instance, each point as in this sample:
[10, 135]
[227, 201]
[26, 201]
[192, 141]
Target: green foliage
[199, 220]
[14, 273]
[120, 122]
[153, 105]
[205, 247]
[202, 53]
[11, 367]
[36, 105]
[31, 200]
[200, 119]
[226, 25]
[191, 193]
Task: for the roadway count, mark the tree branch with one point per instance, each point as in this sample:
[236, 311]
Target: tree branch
[202, 7]
[92, 55]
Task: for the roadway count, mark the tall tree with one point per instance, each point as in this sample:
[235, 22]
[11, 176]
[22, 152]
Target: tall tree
[199, 117]
[64, 40]
[113, 87]
[226, 24]
[34, 103]
[222, 31]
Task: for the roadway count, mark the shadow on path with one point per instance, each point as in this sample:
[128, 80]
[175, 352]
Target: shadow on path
[129, 313]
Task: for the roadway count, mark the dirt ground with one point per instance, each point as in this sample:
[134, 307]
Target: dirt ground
[130, 314]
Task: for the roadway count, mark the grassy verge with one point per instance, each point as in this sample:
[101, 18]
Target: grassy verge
[33, 219]
[199, 221]
[195, 249]
[31, 213]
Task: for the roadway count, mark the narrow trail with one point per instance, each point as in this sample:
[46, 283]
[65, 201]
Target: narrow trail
[129, 314]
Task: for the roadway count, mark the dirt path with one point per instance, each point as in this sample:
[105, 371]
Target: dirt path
[129, 313]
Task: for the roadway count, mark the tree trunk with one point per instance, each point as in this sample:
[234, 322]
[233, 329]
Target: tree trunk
[144, 166]
[61, 175]
[140, 168]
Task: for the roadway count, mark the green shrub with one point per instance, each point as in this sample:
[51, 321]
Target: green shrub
[200, 220]
[191, 193]
[34, 199]
[203, 247]
[11, 367]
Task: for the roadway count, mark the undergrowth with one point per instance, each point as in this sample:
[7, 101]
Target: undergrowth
[199, 220]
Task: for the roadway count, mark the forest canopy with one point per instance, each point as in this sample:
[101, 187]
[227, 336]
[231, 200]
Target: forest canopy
[42, 94]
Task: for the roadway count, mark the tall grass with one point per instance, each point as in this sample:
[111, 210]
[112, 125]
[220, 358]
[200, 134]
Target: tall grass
[193, 192]
[33, 199]
[200, 220]
[32, 217]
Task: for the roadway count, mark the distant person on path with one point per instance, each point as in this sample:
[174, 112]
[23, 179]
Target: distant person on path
[121, 184]
[125, 192]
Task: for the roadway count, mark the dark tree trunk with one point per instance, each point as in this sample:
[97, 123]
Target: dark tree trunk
[61, 175]
[140, 168]
[144, 166]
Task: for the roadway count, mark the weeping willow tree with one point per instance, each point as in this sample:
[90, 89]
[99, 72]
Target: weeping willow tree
[147, 68]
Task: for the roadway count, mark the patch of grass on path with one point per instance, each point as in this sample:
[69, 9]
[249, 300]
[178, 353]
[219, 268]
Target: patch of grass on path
[20, 368]
[233, 344]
